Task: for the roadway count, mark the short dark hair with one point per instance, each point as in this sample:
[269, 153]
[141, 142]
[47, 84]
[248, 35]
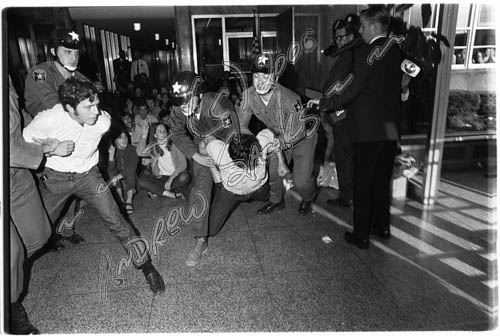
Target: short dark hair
[73, 91]
[242, 149]
[141, 102]
[377, 14]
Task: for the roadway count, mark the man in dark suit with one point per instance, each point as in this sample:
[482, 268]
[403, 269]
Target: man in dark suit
[121, 66]
[372, 95]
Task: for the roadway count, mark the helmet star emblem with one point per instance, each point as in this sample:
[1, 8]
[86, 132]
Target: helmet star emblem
[74, 36]
[177, 87]
[262, 60]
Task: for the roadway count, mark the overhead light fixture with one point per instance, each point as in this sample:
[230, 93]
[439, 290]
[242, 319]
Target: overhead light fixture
[166, 42]
[220, 42]
[173, 45]
[137, 26]
[157, 37]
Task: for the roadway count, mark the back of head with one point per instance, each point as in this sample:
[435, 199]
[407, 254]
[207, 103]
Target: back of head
[377, 14]
[352, 24]
[74, 90]
[244, 149]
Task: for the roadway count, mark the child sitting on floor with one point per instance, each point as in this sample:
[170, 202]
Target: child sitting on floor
[168, 165]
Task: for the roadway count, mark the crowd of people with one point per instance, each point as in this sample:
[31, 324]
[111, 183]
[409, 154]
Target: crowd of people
[191, 141]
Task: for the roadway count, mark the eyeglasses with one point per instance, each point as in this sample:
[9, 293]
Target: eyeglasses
[340, 37]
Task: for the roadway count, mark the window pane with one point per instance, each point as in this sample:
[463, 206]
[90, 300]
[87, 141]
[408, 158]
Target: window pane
[459, 56]
[267, 23]
[483, 55]
[269, 44]
[486, 16]
[484, 37]
[209, 46]
[423, 15]
[461, 38]
[240, 52]
[464, 15]
[239, 24]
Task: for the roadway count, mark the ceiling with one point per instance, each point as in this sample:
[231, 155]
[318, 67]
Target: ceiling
[120, 20]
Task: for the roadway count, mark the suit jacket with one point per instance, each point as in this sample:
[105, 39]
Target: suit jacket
[373, 93]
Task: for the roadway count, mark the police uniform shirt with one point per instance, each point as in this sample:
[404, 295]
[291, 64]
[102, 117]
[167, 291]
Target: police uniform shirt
[57, 123]
[282, 114]
[42, 84]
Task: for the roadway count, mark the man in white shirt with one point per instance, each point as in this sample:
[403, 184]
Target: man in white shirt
[241, 172]
[78, 118]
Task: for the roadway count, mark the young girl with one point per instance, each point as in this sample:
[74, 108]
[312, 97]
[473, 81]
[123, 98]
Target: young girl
[168, 165]
[122, 167]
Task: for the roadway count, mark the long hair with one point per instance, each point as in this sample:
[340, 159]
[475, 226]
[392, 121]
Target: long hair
[151, 139]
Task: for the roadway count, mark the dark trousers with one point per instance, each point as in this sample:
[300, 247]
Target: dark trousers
[29, 226]
[157, 184]
[302, 155]
[225, 202]
[373, 165]
[57, 187]
[199, 199]
[343, 159]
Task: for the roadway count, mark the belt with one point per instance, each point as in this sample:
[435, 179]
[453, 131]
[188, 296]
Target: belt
[44, 175]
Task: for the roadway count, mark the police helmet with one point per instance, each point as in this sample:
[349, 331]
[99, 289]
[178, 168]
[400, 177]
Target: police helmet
[66, 38]
[185, 85]
[262, 63]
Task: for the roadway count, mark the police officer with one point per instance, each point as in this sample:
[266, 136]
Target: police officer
[43, 80]
[204, 114]
[281, 110]
[41, 93]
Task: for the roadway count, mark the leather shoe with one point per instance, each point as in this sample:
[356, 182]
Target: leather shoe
[358, 242]
[339, 202]
[305, 207]
[75, 238]
[154, 280]
[19, 322]
[385, 234]
[271, 207]
[55, 245]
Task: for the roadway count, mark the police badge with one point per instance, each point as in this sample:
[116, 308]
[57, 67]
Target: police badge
[39, 75]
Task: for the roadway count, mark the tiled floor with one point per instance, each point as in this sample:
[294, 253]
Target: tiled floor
[275, 273]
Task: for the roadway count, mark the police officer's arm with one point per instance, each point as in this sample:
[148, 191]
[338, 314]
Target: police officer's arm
[244, 114]
[40, 93]
[179, 136]
[22, 154]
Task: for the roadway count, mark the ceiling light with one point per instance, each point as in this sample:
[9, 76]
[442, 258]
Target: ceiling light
[173, 44]
[166, 42]
[137, 26]
[157, 37]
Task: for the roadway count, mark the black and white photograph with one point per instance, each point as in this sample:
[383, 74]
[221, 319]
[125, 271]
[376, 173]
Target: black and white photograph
[258, 167]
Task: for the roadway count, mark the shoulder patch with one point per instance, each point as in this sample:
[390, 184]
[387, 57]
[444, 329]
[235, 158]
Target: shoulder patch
[39, 75]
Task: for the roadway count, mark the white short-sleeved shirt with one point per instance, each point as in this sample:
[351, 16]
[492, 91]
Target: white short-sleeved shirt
[58, 124]
[165, 162]
[238, 180]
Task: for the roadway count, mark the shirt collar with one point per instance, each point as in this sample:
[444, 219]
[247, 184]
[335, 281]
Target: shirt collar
[376, 37]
